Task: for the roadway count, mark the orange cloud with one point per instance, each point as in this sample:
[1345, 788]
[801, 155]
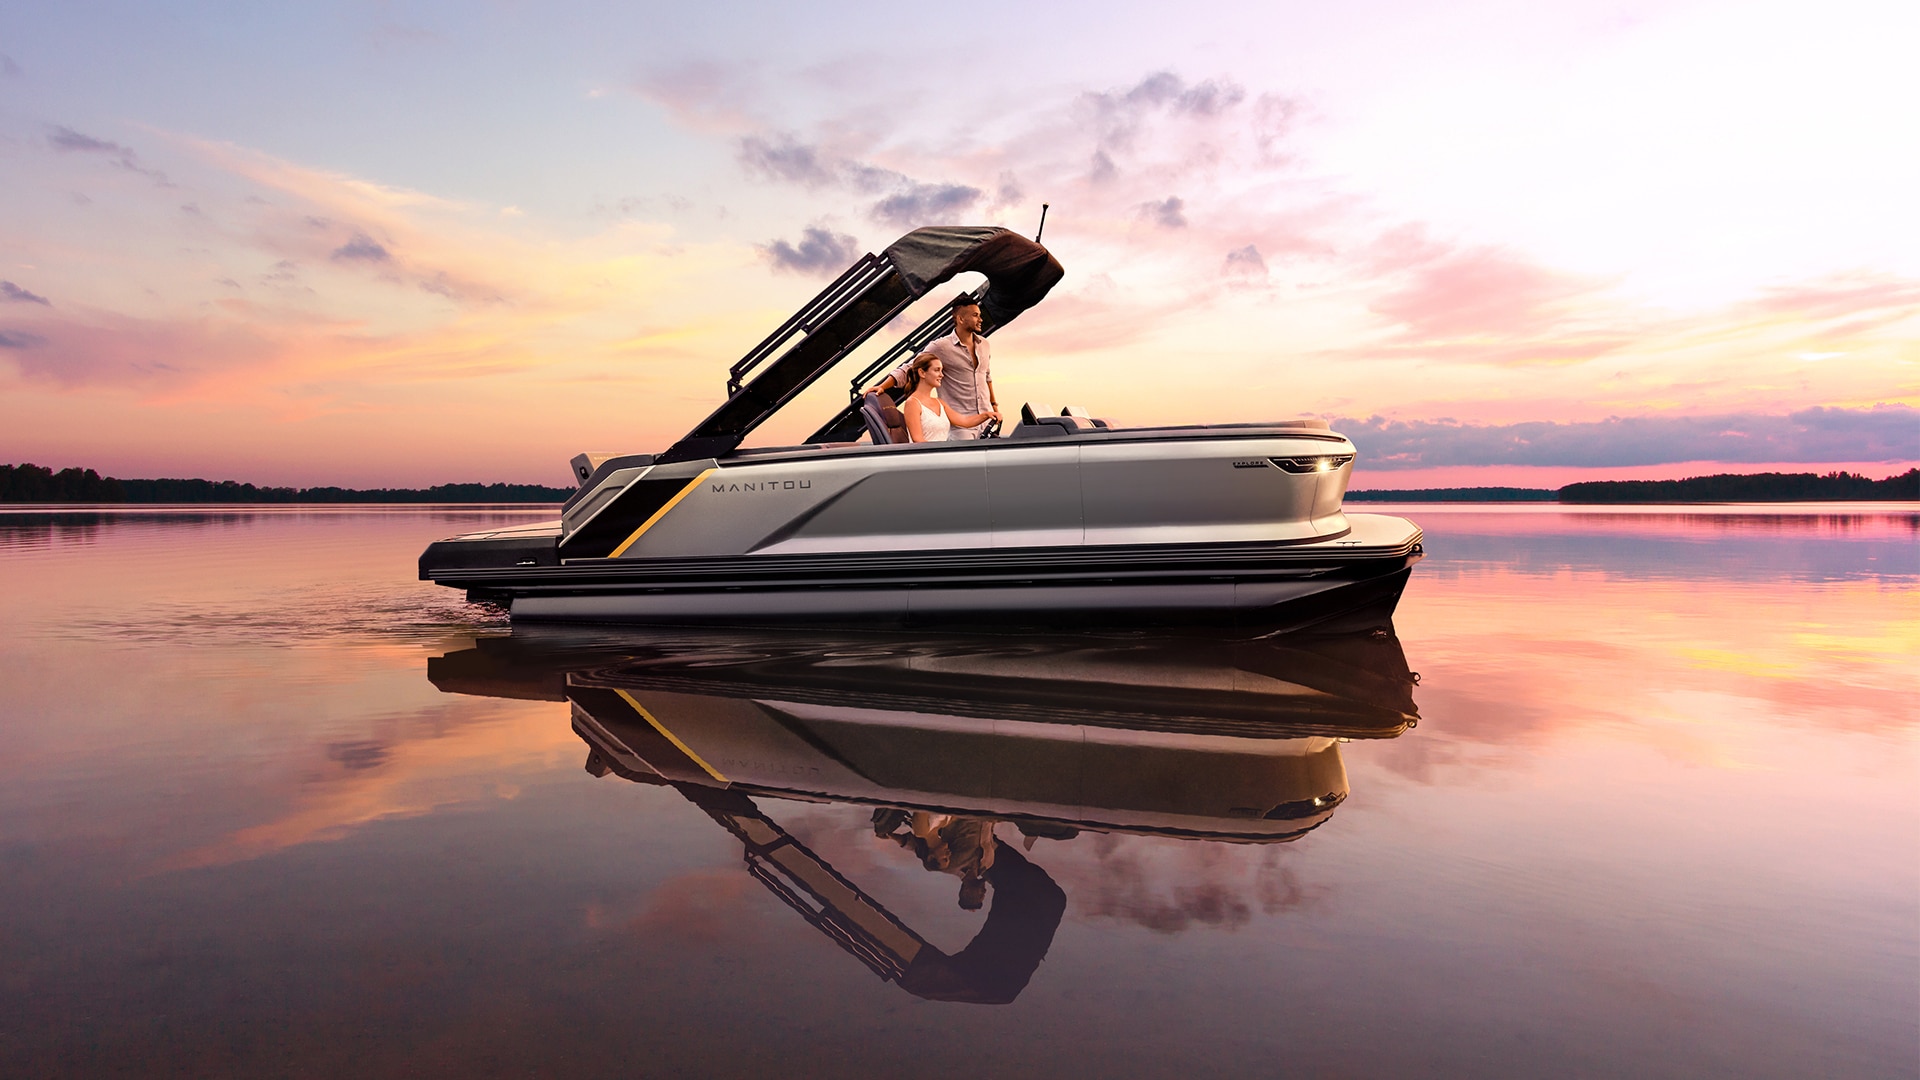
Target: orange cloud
[360, 783]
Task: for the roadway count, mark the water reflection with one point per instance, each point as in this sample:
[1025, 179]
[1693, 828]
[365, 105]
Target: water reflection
[947, 738]
[1658, 819]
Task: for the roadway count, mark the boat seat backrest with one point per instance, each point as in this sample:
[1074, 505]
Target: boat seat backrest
[1075, 410]
[884, 422]
[1052, 427]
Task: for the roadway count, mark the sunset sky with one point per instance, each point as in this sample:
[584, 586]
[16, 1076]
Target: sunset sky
[406, 243]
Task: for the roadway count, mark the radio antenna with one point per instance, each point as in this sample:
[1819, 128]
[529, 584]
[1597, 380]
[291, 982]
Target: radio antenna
[1043, 223]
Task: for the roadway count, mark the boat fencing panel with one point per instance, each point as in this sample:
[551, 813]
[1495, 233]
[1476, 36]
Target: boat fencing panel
[915, 500]
[1034, 493]
[1197, 491]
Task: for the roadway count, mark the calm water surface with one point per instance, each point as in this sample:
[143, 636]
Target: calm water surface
[269, 806]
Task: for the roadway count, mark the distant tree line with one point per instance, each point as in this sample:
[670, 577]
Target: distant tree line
[37, 484]
[1723, 488]
[1752, 487]
[32, 483]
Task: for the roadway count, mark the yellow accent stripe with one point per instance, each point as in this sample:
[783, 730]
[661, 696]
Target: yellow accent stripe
[671, 737]
[660, 513]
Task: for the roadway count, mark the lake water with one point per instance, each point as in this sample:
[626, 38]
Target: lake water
[270, 806]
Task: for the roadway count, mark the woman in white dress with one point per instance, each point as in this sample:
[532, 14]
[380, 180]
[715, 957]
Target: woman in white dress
[928, 418]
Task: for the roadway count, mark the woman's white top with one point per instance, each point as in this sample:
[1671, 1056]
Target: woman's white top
[934, 426]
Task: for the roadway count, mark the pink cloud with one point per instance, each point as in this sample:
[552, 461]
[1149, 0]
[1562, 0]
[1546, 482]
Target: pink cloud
[1487, 305]
[263, 357]
[1476, 292]
[705, 96]
[1843, 295]
[108, 349]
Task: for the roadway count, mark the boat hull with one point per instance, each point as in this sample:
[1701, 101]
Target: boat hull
[1242, 525]
[1266, 585]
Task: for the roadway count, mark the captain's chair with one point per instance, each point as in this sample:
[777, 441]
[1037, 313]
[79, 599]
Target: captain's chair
[884, 422]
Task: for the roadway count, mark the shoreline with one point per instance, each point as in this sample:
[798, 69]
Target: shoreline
[1369, 506]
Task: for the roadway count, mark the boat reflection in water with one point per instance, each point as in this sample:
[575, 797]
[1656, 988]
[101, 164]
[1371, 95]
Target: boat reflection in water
[946, 737]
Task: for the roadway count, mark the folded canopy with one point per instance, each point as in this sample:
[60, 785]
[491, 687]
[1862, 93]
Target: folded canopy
[1019, 272]
[870, 294]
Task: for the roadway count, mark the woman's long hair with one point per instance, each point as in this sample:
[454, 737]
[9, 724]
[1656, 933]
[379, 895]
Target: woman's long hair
[917, 371]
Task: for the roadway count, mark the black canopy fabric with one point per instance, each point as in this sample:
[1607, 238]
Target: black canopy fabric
[1019, 271]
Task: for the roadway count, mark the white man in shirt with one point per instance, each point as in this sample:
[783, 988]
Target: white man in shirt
[968, 365]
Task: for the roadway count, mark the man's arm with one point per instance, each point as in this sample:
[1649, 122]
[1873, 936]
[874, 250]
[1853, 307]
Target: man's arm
[896, 377]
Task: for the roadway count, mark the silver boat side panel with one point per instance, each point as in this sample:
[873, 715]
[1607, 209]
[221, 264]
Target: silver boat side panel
[917, 501]
[1036, 494]
[1220, 491]
[1035, 497]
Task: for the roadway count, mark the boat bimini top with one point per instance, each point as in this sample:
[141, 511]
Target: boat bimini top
[869, 295]
[1067, 517]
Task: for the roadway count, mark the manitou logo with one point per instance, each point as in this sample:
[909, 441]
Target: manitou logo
[762, 485]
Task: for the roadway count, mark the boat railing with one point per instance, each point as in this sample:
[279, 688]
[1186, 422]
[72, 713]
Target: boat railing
[856, 305]
[843, 291]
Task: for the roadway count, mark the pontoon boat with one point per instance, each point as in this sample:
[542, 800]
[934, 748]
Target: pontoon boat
[1064, 517]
